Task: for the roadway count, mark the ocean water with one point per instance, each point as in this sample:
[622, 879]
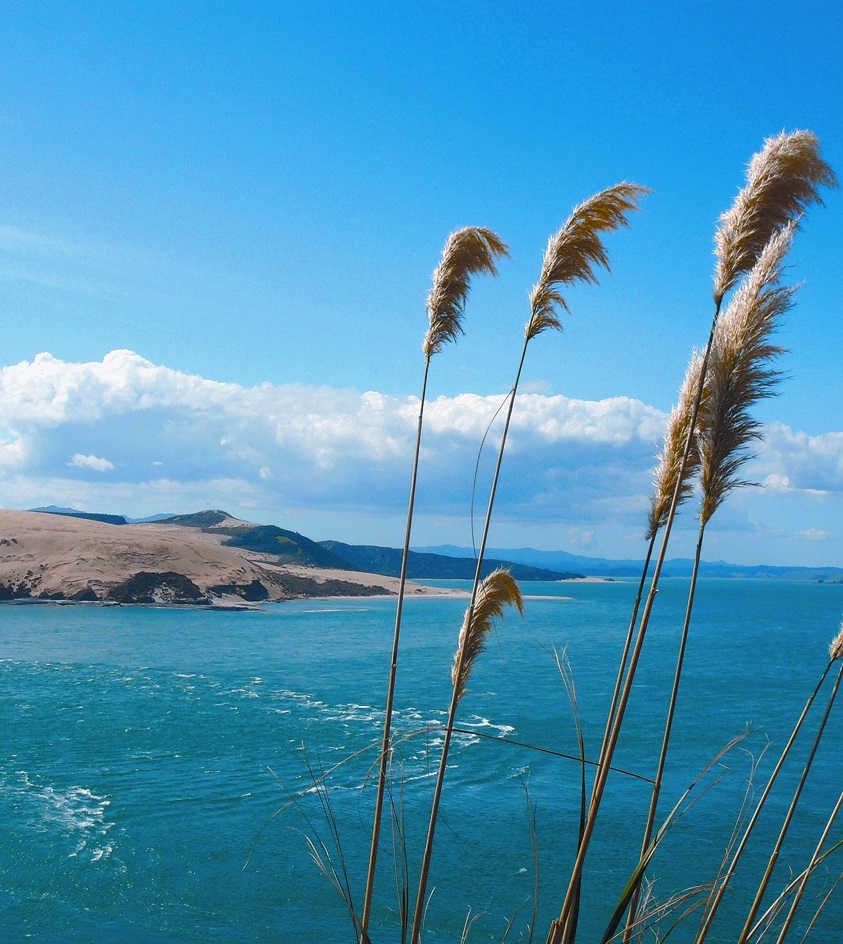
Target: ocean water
[157, 768]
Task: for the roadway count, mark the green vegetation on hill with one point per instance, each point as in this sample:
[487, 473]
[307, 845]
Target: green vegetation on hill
[387, 561]
[87, 516]
[288, 546]
[200, 519]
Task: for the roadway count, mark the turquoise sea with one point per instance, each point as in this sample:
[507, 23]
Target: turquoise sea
[148, 755]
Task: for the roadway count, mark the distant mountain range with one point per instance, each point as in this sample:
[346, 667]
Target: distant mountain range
[677, 567]
[442, 561]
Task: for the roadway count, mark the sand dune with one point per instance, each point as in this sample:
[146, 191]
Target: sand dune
[46, 556]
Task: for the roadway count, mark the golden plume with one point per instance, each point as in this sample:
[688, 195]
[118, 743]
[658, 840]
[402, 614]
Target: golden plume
[498, 590]
[739, 372]
[835, 650]
[673, 451]
[576, 248]
[782, 179]
[468, 251]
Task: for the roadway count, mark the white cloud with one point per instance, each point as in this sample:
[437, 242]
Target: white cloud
[315, 446]
[12, 454]
[94, 463]
[794, 460]
[575, 471]
[814, 534]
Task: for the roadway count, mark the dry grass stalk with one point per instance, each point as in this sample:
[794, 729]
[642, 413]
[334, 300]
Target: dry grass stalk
[496, 592]
[488, 599]
[570, 256]
[468, 251]
[808, 872]
[727, 873]
[783, 179]
[673, 466]
[576, 249]
[740, 374]
[754, 235]
[749, 925]
[679, 425]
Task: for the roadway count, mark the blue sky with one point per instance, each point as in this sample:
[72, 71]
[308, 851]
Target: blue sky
[251, 198]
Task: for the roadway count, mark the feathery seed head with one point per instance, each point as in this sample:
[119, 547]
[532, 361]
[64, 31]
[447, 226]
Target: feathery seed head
[468, 251]
[740, 372]
[835, 650]
[783, 179]
[497, 591]
[572, 253]
[673, 451]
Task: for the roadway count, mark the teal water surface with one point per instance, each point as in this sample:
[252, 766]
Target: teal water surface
[148, 755]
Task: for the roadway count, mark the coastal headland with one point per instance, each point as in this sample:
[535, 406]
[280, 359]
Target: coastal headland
[186, 560]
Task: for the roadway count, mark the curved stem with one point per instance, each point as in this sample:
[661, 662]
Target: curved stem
[774, 855]
[668, 728]
[808, 871]
[452, 711]
[711, 908]
[559, 930]
[626, 646]
[390, 693]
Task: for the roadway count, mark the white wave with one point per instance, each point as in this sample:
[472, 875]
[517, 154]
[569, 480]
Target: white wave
[410, 778]
[479, 722]
[76, 812]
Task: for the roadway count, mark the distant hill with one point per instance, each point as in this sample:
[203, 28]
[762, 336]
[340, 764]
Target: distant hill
[85, 515]
[97, 516]
[421, 566]
[289, 547]
[678, 567]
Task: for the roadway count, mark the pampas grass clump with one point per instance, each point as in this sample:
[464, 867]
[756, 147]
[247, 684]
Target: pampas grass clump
[708, 440]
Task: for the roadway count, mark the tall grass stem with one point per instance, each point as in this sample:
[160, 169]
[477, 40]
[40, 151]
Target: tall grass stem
[774, 855]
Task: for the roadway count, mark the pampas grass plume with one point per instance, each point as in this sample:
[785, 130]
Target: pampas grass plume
[673, 451]
[835, 650]
[467, 252]
[497, 591]
[739, 373]
[576, 249]
[782, 180]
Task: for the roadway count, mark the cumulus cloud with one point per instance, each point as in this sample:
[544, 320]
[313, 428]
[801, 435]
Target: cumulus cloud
[179, 442]
[307, 445]
[95, 463]
[795, 461]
